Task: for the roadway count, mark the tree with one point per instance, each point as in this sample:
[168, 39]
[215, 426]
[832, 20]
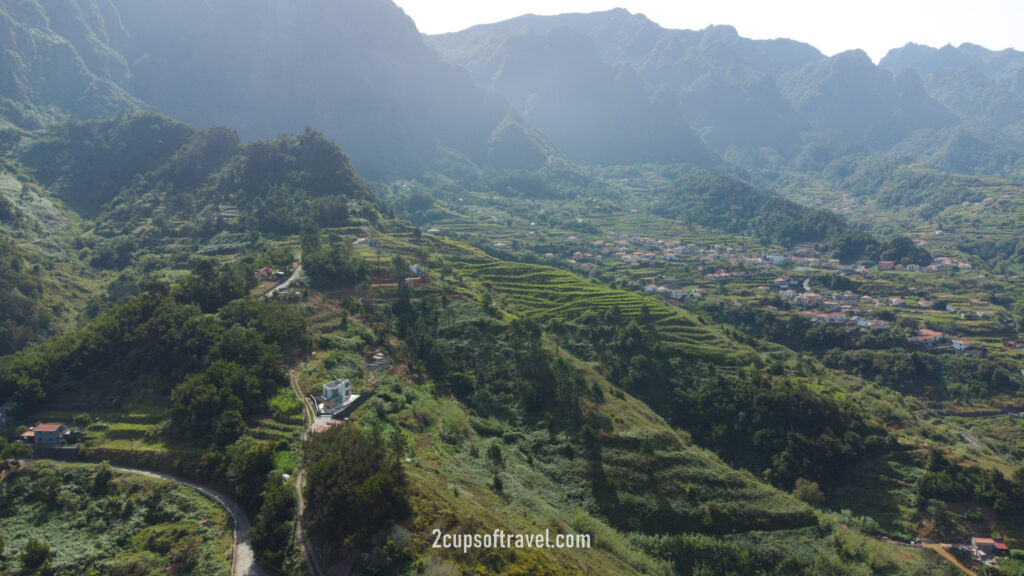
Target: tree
[230, 426]
[310, 238]
[398, 444]
[197, 402]
[102, 479]
[399, 266]
[559, 330]
[808, 492]
[246, 464]
[943, 520]
[495, 462]
[273, 525]
[35, 555]
[354, 488]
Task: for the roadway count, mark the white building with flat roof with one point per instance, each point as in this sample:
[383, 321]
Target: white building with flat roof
[337, 396]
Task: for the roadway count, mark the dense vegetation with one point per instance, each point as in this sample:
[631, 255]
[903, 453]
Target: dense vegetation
[23, 316]
[937, 376]
[354, 488]
[61, 519]
[734, 206]
[705, 427]
[149, 181]
[217, 367]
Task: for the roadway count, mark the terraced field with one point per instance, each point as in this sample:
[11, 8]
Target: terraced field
[998, 221]
[543, 292]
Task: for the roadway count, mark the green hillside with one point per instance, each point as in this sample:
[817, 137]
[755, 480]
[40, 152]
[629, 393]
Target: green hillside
[81, 519]
[764, 317]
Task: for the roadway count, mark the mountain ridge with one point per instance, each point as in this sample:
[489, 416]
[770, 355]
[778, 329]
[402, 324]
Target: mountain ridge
[363, 76]
[743, 95]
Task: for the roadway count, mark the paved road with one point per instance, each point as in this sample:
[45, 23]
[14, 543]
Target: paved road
[285, 284]
[243, 563]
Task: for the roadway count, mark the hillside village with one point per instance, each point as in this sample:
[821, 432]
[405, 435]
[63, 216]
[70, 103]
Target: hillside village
[690, 271]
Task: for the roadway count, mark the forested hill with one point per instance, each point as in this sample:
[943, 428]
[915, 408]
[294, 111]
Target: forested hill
[356, 69]
[150, 182]
[733, 206]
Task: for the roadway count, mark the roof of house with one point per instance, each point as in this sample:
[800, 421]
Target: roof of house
[51, 427]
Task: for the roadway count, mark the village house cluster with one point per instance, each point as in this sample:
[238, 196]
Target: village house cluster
[938, 265]
[723, 263]
[640, 251]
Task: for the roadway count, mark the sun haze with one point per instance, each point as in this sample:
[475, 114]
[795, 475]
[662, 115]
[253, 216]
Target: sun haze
[875, 26]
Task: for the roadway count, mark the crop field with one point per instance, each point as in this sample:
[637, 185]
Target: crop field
[544, 293]
[998, 221]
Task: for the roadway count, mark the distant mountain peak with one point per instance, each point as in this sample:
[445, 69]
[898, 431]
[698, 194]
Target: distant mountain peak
[356, 69]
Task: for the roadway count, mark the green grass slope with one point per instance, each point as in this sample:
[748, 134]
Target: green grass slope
[126, 524]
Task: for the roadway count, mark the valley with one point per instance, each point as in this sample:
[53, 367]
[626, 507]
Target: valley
[575, 292]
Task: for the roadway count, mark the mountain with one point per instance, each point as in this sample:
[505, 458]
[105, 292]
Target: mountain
[357, 70]
[55, 63]
[152, 185]
[982, 86]
[849, 94]
[736, 92]
[721, 96]
[1004, 66]
[595, 112]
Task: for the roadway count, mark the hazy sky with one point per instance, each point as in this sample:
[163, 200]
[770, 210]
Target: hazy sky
[872, 25]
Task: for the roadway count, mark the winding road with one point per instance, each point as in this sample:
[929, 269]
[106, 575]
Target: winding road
[243, 562]
[285, 284]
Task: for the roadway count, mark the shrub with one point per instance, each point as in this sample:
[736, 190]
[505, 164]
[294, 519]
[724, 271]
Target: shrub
[36, 554]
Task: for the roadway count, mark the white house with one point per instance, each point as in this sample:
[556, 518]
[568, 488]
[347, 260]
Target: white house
[337, 396]
[961, 345]
[45, 434]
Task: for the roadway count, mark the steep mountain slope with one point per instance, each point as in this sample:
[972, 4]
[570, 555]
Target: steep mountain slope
[982, 86]
[57, 62]
[1005, 66]
[594, 112]
[849, 94]
[357, 70]
[149, 183]
[736, 92]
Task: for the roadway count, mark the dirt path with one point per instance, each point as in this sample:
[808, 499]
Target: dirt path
[309, 415]
[943, 550]
[243, 562]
